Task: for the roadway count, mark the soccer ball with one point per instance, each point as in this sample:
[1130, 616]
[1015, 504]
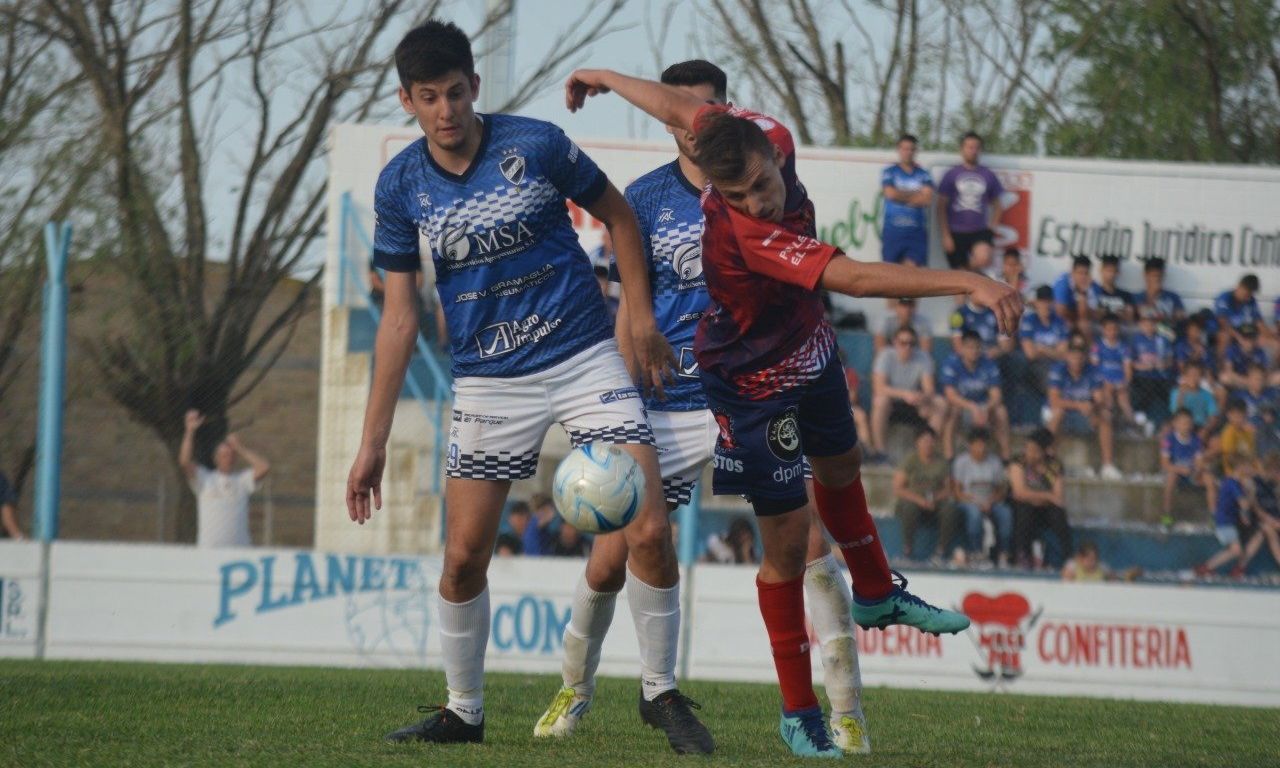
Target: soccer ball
[598, 488]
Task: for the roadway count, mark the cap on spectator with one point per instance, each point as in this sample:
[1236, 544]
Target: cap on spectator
[1042, 437]
[1110, 260]
[1153, 264]
[1249, 331]
[1044, 293]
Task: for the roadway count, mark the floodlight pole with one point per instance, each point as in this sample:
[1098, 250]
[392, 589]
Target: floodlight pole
[53, 365]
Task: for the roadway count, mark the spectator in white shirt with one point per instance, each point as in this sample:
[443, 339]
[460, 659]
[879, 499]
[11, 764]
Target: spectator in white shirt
[222, 494]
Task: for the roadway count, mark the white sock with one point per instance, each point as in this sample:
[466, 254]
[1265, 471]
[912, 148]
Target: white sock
[656, 613]
[830, 601]
[464, 635]
[584, 636]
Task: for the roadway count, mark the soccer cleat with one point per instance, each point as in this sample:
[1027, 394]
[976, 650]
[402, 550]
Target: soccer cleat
[444, 726]
[849, 732]
[805, 734]
[902, 607]
[566, 709]
[672, 712]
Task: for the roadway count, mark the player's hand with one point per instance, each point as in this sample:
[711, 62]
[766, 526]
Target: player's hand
[654, 359]
[1002, 299]
[582, 84]
[365, 479]
[193, 420]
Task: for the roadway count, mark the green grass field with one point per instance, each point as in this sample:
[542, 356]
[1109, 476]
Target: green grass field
[87, 714]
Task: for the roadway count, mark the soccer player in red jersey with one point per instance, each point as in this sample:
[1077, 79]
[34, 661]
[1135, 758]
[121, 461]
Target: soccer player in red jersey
[772, 376]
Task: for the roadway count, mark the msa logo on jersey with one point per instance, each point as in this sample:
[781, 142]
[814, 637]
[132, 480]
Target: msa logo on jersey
[501, 338]
[456, 244]
[512, 167]
[687, 261]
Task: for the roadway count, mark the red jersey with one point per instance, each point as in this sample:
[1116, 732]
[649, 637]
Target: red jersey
[765, 331]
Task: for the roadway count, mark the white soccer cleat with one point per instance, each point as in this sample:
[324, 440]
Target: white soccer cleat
[566, 709]
[1109, 472]
[850, 734]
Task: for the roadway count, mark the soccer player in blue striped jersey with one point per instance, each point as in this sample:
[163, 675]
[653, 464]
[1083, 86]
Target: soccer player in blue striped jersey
[908, 192]
[532, 344]
[667, 205]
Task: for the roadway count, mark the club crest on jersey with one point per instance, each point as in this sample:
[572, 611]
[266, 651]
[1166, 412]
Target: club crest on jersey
[783, 435]
[687, 261]
[512, 167]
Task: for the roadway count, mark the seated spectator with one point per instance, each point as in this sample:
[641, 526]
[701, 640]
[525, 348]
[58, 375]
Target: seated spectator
[9, 511]
[1078, 402]
[540, 534]
[1039, 503]
[511, 541]
[1014, 273]
[971, 385]
[1113, 361]
[1071, 294]
[981, 321]
[1241, 353]
[904, 314]
[1085, 566]
[570, 543]
[1044, 336]
[1194, 346]
[980, 491]
[1152, 361]
[1193, 395]
[1239, 522]
[903, 388]
[922, 488]
[1166, 304]
[736, 545]
[1237, 308]
[1238, 441]
[1182, 460]
[1256, 395]
[1106, 297]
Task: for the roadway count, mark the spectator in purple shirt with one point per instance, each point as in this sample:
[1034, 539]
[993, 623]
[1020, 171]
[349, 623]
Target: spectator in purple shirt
[969, 207]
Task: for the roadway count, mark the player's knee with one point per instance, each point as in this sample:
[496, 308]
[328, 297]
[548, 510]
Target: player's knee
[838, 471]
[462, 569]
[649, 535]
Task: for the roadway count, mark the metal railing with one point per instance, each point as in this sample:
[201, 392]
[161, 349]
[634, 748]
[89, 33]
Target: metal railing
[349, 224]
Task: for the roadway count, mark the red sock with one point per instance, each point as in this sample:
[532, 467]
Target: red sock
[782, 606]
[844, 512]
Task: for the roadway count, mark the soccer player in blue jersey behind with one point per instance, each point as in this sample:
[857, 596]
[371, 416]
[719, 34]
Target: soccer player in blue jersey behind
[532, 344]
[908, 192]
[667, 205]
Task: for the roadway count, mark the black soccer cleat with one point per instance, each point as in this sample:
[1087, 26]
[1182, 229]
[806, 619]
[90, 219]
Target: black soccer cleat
[672, 712]
[444, 726]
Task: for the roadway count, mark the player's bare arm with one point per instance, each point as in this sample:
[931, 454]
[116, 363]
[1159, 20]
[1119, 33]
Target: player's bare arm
[862, 279]
[655, 362]
[393, 348]
[666, 103]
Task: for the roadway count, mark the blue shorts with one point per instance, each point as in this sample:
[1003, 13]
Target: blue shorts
[1076, 423]
[762, 444]
[896, 248]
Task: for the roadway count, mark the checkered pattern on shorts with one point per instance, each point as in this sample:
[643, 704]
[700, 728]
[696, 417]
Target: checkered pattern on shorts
[628, 433]
[499, 465]
[678, 490]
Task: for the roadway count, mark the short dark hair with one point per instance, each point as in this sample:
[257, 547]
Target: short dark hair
[1110, 260]
[1153, 264]
[972, 135]
[1183, 412]
[1250, 281]
[969, 334]
[908, 137]
[1042, 437]
[1087, 548]
[1199, 366]
[432, 50]
[518, 508]
[1237, 405]
[908, 330]
[1110, 318]
[925, 429]
[1251, 367]
[1044, 293]
[1014, 252]
[1082, 261]
[698, 72]
[726, 143]
[979, 434]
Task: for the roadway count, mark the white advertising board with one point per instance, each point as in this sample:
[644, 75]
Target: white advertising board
[19, 597]
[169, 603]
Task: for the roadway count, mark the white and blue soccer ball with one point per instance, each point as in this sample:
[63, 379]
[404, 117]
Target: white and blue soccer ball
[598, 488]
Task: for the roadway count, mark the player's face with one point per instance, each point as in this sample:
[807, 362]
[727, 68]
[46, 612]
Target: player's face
[970, 149]
[760, 193]
[907, 152]
[684, 139]
[444, 108]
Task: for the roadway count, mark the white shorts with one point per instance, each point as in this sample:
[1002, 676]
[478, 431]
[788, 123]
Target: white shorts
[499, 423]
[686, 441]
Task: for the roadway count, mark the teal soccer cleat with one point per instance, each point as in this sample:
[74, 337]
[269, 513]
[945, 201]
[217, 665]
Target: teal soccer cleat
[902, 607]
[805, 733]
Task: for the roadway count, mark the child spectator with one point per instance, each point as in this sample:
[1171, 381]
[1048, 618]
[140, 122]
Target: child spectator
[1111, 358]
[1012, 271]
[922, 488]
[1039, 503]
[1105, 296]
[1152, 365]
[1077, 399]
[1238, 440]
[1071, 293]
[1256, 395]
[1044, 336]
[1085, 566]
[1166, 304]
[980, 493]
[971, 385]
[904, 313]
[1182, 460]
[1194, 346]
[1241, 353]
[1194, 395]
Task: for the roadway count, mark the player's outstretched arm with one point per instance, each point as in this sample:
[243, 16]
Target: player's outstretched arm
[862, 279]
[667, 104]
[392, 349]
